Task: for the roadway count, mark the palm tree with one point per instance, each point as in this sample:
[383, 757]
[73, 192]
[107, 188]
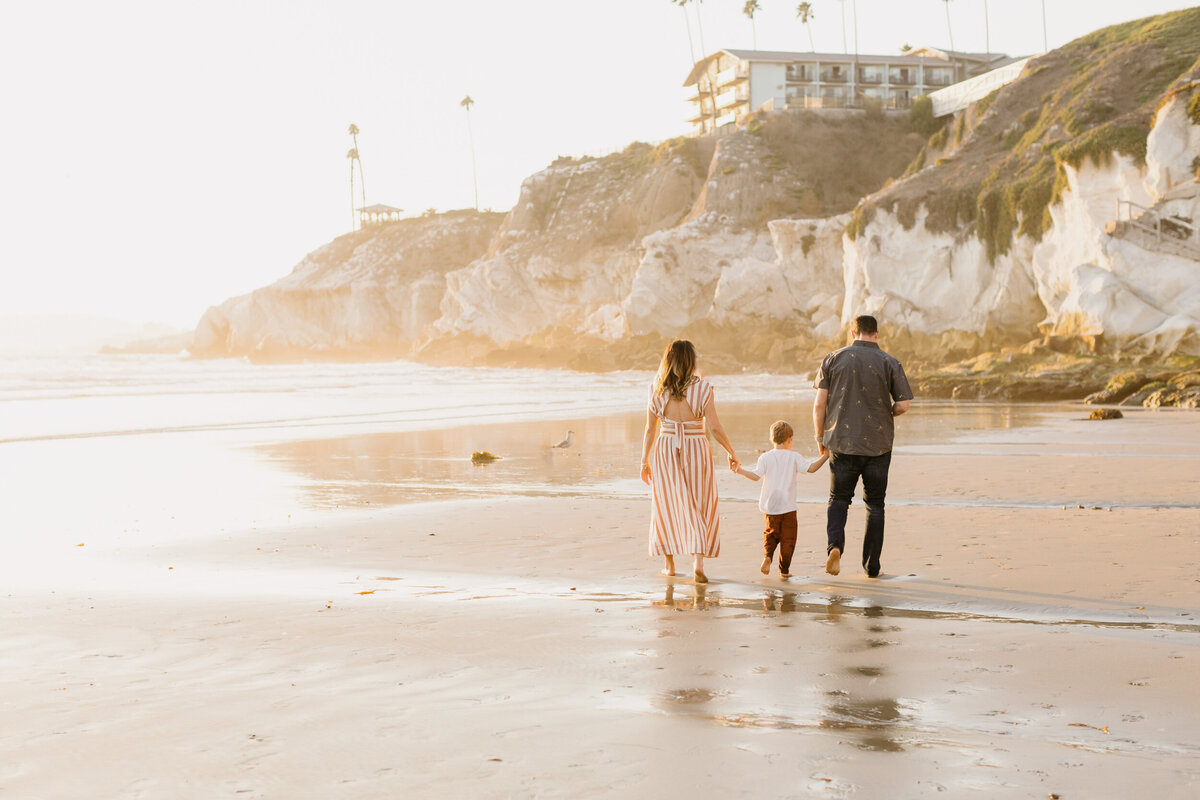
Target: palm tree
[1045, 41]
[688, 24]
[950, 30]
[804, 12]
[353, 131]
[712, 89]
[749, 10]
[987, 36]
[845, 47]
[466, 103]
[352, 156]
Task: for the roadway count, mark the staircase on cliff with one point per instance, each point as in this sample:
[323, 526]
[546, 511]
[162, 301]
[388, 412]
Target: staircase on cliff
[1154, 229]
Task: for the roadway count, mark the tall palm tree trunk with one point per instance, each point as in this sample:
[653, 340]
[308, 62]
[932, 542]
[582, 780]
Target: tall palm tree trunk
[987, 35]
[474, 170]
[953, 52]
[361, 178]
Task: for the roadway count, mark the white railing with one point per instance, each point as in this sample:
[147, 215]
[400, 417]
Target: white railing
[1173, 226]
[960, 95]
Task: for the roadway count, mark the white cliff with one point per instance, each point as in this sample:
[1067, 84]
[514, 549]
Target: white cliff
[745, 240]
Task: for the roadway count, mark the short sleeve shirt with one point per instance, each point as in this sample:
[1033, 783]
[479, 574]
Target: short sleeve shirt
[778, 470]
[863, 383]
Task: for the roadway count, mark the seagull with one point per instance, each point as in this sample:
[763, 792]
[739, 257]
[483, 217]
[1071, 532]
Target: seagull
[565, 443]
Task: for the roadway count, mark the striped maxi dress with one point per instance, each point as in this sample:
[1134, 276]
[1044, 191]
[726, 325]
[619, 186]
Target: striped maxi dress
[683, 493]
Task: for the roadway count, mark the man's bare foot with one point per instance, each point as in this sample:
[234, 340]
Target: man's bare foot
[833, 564]
[701, 577]
[765, 567]
[785, 574]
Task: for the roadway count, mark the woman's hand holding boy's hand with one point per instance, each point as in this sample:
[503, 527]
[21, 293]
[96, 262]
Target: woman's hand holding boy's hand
[734, 464]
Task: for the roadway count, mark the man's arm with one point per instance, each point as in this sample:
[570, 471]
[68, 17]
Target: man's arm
[899, 407]
[819, 406]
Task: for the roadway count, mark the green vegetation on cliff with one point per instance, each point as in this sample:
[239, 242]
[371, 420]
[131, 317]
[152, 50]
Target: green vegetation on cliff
[1006, 154]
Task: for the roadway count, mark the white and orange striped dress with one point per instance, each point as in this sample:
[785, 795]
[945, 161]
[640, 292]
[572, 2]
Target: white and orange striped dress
[683, 489]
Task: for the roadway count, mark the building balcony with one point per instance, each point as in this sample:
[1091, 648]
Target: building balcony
[801, 75]
[735, 75]
[834, 77]
[903, 77]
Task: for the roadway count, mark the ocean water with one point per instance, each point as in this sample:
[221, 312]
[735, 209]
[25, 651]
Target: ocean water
[117, 451]
[88, 396]
[122, 454]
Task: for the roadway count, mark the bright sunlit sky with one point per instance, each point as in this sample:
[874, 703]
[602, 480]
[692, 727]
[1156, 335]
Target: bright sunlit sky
[159, 157]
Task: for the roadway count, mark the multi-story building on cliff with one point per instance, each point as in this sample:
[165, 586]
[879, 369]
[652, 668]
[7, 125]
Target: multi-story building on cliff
[729, 84]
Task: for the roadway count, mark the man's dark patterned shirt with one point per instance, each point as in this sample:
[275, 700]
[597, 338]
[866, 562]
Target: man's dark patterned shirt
[863, 383]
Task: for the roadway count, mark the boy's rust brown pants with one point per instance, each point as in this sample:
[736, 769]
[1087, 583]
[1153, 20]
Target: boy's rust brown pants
[780, 530]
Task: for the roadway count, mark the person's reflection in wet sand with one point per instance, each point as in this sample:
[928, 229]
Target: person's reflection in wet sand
[780, 602]
[699, 599]
[873, 721]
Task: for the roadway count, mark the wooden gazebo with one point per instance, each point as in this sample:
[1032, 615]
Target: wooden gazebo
[378, 214]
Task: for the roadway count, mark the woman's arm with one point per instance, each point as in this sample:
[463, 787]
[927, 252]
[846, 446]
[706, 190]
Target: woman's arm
[647, 441]
[718, 432]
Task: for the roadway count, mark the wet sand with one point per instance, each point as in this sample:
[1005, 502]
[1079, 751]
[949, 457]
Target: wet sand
[1035, 631]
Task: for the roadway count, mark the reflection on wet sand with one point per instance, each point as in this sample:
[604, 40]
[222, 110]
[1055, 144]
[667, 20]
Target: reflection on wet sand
[875, 724]
[392, 468]
[418, 466]
[862, 708]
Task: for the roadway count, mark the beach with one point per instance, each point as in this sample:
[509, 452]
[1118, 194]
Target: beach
[336, 602]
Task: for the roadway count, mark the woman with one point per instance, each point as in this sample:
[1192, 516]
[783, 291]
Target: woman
[677, 462]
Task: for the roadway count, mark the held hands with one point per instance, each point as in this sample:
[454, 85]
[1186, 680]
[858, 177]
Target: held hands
[735, 463]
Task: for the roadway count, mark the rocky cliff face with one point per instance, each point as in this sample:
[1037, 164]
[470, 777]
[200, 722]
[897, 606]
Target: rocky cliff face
[631, 248]
[1003, 229]
[367, 294]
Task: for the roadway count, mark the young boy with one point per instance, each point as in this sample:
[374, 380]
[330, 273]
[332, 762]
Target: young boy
[778, 469]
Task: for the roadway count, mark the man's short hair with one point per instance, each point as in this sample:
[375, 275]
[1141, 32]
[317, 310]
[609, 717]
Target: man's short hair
[781, 432]
[866, 325]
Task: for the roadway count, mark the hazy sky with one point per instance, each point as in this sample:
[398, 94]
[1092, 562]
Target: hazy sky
[159, 157]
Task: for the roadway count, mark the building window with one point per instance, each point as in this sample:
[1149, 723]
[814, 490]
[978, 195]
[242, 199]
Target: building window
[870, 74]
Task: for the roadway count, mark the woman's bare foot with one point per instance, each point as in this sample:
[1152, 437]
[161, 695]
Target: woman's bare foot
[765, 567]
[698, 568]
[701, 577]
[670, 573]
[669, 569]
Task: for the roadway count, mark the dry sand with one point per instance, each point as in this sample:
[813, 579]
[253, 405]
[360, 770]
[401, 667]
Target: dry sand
[1034, 634]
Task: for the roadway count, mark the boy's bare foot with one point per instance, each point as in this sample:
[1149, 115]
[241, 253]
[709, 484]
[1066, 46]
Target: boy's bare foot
[833, 564]
[765, 567]
[701, 577]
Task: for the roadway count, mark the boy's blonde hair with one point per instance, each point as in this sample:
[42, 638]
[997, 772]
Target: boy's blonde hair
[781, 432]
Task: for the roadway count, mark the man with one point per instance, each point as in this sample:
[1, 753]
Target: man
[860, 390]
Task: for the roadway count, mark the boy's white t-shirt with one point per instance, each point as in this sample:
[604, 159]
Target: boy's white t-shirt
[778, 469]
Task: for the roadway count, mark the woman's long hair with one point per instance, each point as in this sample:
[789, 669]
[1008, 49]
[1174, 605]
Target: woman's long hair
[677, 370]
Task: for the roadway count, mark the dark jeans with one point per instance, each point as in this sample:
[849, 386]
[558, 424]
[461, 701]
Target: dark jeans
[844, 471]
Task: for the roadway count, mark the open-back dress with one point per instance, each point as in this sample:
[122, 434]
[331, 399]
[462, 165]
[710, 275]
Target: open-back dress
[683, 514]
